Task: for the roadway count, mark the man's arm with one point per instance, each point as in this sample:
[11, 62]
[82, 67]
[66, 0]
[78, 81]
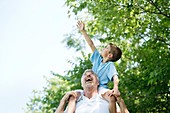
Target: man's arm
[122, 105]
[69, 95]
[81, 27]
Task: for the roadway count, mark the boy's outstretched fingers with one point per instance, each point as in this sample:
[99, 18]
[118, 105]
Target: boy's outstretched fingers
[80, 25]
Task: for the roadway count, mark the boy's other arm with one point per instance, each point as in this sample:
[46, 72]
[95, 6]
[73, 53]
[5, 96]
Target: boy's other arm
[81, 27]
[116, 83]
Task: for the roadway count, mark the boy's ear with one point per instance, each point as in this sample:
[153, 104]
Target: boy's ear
[110, 55]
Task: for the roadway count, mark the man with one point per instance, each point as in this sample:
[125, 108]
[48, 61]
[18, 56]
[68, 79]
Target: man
[90, 101]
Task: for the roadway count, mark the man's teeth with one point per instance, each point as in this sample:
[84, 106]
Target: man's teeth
[88, 80]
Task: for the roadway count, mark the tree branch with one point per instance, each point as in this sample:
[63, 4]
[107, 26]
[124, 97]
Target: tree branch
[160, 12]
[152, 3]
[164, 41]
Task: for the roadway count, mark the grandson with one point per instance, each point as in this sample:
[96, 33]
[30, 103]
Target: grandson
[103, 64]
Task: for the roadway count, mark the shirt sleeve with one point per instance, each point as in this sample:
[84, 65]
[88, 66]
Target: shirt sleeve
[112, 71]
[95, 56]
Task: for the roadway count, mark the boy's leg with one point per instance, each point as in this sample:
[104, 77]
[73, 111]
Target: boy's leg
[112, 102]
[117, 108]
[72, 102]
[71, 105]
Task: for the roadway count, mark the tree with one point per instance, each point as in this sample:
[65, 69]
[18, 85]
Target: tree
[47, 100]
[141, 28]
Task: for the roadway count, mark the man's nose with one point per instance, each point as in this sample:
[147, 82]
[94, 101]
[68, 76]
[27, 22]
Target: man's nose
[88, 75]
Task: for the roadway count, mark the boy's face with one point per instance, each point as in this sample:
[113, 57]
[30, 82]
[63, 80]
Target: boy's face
[106, 51]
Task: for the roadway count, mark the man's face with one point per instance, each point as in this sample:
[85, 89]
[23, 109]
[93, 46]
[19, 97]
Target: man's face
[89, 79]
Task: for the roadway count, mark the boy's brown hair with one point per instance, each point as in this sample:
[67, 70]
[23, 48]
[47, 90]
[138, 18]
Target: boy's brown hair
[116, 52]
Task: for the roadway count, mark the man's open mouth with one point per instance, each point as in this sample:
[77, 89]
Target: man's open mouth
[89, 79]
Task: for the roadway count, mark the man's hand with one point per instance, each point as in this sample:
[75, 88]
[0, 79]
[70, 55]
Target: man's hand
[69, 95]
[116, 92]
[71, 101]
[81, 26]
[109, 96]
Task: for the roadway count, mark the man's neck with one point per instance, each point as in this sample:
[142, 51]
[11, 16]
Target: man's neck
[90, 93]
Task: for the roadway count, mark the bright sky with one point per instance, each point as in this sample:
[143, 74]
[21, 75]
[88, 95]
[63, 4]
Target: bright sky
[31, 32]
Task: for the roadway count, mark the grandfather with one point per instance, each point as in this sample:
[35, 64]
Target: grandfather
[90, 101]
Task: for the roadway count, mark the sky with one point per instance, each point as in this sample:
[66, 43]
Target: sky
[31, 32]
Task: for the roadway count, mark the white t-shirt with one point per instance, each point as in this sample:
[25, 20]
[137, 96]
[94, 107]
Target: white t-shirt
[94, 105]
[102, 90]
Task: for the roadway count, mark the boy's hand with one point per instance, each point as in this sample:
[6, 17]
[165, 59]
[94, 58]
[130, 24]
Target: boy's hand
[116, 92]
[81, 26]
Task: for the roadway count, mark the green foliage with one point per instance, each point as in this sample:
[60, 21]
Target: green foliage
[141, 28]
[77, 71]
[47, 100]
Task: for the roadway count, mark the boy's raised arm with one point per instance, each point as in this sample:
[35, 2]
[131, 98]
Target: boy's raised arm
[81, 27]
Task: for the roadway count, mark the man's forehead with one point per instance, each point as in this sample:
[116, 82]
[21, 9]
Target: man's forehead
[88, 73]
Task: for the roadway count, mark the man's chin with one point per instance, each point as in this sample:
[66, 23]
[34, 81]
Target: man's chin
[89, 84]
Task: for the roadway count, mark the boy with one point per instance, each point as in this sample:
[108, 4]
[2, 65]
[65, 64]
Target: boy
[103, 64]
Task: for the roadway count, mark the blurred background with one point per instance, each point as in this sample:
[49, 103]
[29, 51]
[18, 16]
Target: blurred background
[31, 32]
